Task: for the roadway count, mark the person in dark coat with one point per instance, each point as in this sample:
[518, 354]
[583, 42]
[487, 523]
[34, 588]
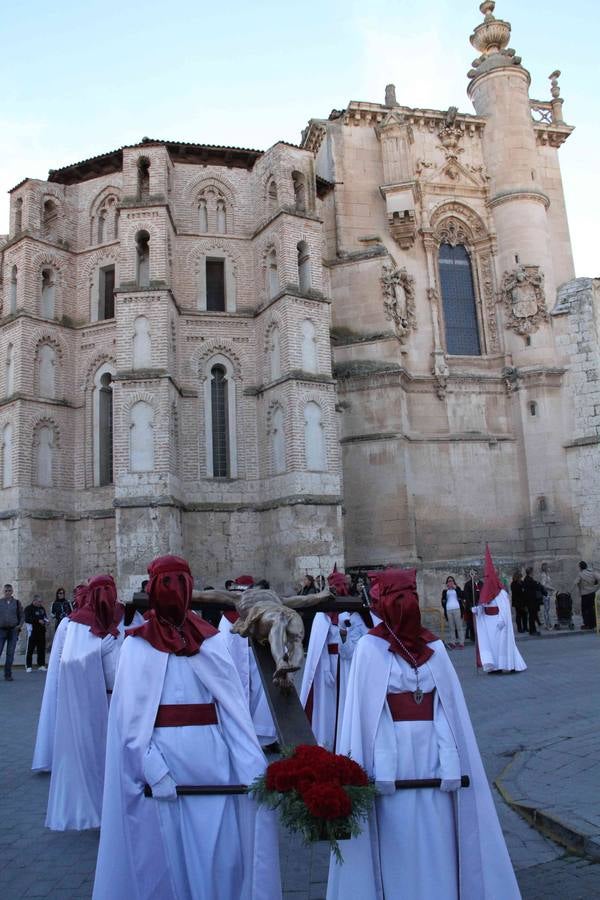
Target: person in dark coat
[471, 591]
[533, 593]
[518, 601]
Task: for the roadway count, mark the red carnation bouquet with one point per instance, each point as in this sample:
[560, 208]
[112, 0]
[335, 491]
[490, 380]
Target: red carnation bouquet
[319, 794]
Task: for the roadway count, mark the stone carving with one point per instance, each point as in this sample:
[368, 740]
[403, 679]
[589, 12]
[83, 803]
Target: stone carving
[511, 379]
[399, 299]
[523, 294]
[403, 228]
[458, 222]
[450, 135]
[440, 373]
[390, 95]
[267, 618]
[489, 305]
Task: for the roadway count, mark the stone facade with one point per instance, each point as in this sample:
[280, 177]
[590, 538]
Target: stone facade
[194, 409]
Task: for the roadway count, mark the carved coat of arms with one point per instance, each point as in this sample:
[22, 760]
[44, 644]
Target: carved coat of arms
[524, 301]
[399, 299]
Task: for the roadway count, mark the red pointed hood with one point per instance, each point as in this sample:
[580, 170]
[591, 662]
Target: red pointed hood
[171, 626]
[491, 583]
[397, 605]
[337, 580]
[101, 610]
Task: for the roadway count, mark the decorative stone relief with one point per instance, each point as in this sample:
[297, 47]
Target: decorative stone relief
[399, 299]
[440, 373]
[524, 301]
[489, 305]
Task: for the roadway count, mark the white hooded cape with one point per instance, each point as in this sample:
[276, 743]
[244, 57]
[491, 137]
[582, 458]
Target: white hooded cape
[327, 695]
[485, 869]
[243, 658]
[133, 862]
[86, 671]
[44, 742]
[496, 638]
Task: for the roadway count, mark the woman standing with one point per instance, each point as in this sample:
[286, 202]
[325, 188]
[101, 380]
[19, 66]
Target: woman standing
[454, 610]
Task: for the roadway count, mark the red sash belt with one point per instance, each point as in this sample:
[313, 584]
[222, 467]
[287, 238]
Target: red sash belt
[491, 610]
[404, 709]
[171, 715]
[333, 648]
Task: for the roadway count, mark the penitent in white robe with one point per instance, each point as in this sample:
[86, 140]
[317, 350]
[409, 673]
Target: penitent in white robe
[86, 673]
[44, 742]
[245, 663]
[194, 847]
[496, 638]
[326, 674]
[418, 844]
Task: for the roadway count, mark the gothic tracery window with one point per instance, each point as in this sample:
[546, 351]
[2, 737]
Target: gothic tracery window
[102, 399]
[458, 301]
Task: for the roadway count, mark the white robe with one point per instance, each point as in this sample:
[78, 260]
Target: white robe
[245, 663]
[44, 742]
[496, 638]
[205, 848]
[326, 674]
[386, 749]
[86, 672]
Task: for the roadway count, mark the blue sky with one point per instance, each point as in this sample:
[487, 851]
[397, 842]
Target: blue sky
[82, 79]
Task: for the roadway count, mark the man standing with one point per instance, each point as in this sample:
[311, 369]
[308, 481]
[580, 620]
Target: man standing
[532, 592]
[471, 592]
[587, 583]
[36, 621]
[11, 621]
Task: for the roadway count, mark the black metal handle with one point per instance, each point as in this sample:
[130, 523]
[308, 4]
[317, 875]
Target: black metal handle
[203, 790]
[412, 783]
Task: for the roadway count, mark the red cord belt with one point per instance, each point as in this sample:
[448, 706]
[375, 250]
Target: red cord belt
[333, 648]
[491, 610]
[172, 715]
[404, 708]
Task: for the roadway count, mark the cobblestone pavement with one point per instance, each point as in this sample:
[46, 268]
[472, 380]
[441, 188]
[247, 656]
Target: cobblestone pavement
[541, 713]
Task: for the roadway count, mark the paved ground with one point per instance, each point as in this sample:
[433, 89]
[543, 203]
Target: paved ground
[547, 718]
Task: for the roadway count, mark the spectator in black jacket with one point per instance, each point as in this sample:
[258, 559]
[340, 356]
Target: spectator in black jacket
[454, 610]
[471, 592]
[61, 607]
[518, 601]
[533, 594]
[36, 621]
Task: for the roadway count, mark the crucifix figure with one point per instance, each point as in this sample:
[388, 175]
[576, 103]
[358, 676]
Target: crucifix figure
[268, 618]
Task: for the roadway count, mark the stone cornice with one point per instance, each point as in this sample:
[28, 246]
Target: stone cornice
[456, 437]
[292, 290]
[228, 506]
[286, 211]
[296, 375]
[518, 194]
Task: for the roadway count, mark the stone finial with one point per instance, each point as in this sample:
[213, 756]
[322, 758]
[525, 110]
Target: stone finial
[554, 88]
[557, 101]
[390, 95]
[491, 38]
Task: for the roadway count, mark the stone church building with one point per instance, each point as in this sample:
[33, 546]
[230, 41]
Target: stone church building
[366, 349]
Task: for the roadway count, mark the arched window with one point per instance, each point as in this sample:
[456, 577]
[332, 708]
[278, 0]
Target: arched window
[278, 441]
[7, 454]
[142, 344]
[221, 217]
[272, 199]
[142, 243]
[12, 290]
[101, 225]
[49, 217]
[9, 384]
[303, 267]
[18, 215]
[314, 438]
[274, 352]
[48, 293]
[143, 178]
[272, 274]
[309, 347]
[106, 292]
[103, 425]
[299, 191]
[46, 371]
[202, 215]
[141, 437]
[45, 448]
[220, 422]
[458, 301]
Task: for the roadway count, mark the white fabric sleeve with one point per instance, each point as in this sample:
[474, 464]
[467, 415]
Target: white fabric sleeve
[154, 765]
[353, 636]
[449, 759]
[385, 755]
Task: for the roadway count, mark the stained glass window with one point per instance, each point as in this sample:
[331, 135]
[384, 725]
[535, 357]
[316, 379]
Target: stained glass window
[458, 301]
